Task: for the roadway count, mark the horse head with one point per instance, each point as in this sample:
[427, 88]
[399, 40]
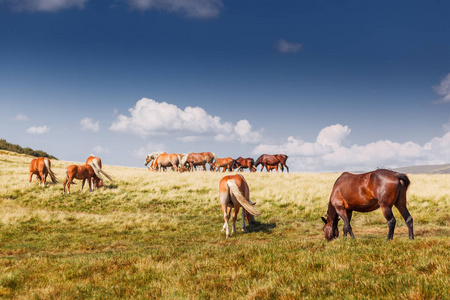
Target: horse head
[331, 227]
[147, 160]
[249, 217]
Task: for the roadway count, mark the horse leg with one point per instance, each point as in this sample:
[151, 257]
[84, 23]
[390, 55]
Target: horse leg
[226, 216]
[82, 184]
[243, 220]
[387, 212]
[236, 212]
[41, 174]
[401, 206]
[347, 227]
[90, 188]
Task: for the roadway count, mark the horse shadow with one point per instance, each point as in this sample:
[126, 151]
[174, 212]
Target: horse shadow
[111, 186]
[258, 227]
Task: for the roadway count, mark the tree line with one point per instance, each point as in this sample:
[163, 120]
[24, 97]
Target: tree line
[4, 145]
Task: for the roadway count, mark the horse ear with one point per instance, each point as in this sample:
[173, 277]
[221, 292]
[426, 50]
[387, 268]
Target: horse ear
[324, 220]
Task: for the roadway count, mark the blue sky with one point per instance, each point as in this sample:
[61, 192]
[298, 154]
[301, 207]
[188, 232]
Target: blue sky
[336, 85]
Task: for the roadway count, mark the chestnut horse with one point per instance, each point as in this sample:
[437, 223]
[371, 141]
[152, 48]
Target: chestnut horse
[364, 193]
[210, 159]
[96, 164]
[81, 173]
[150, 157]
[165, 160]
[234, 193]
[225, 163]
[194, 159]
[269, 168]
[244, 163]
[272, 160]
[41, 167]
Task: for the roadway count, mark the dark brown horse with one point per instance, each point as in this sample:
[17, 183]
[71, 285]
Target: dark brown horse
[224, 163]
[81, 173]
[364, 193]
[41, 167]
[234, 193]
[244, 163]
[272, 160]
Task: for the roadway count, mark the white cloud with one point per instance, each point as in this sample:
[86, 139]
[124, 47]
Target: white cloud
[147, 149]
[329, 154]
[38, 129]
[149, 117]
[284, 46]
[190, 8]
[101, 150]
[44, 5]
[443, 89]
[21, 117]
[87, 124]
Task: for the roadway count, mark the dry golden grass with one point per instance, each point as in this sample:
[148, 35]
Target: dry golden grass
[157, 235]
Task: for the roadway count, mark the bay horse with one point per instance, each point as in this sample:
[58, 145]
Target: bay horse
[225, 163]
[364, 193]
[96, 164]
[82, 173]
[194, 159]
[244, 163]
[165, 160]
[210, 159]
[272, 160]
[234, 193]
[41, 167]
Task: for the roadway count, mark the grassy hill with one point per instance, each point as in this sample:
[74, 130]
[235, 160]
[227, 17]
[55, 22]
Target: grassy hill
[426, 169]
[4, 145]
[157, 235]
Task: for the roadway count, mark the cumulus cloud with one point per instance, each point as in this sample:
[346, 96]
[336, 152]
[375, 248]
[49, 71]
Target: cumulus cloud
[21, 117]
[87, 124]
[190, 8]
[101, 150]
[329, 153]
[43, 5]
[443, 89]
[38, 129]
[149, 117]
[284, 46]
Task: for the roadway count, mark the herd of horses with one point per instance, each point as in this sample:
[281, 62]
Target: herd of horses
[351, 192]
[160, 161]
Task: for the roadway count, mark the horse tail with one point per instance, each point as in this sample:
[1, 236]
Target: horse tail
[215, 157]
[50, 172]
[404, 178]
[245, 203]
[184, 159]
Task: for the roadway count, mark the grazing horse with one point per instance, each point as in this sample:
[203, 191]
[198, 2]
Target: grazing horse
[364, 193]
[244, 163]
[210, 159]
[225, 163]
[152, 156]
[41, 167]
[81, 173]
[234, 193]
[96, 164]
[165, 160]
[272, 160]
[194, 159]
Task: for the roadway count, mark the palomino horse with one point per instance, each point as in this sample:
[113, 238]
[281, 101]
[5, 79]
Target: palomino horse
[194, 159]
[244, 163]
[210, 159]
[41, 167]
[96, 164]
[272, 160]
[81, 173]
[234, 193]
[224, 163]
[364, 193]
[165, 160]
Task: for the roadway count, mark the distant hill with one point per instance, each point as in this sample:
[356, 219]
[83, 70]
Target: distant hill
[425, 169]
[4, 145]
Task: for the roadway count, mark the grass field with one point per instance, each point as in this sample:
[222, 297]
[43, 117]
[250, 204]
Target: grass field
[157, 235]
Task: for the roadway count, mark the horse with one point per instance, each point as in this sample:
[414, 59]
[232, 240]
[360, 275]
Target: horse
[234, 193]
[269, 168]
[364, 193]
[96, 164]
[41, 166]
[272, 160]
[210, 159]
[225, 163]
[152, 156]
[244, 163]
[82, 173]
[167, 160]
[194, 159]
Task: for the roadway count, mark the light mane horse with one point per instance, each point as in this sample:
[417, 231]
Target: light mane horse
[167, 160]
[41, 167]
[96, 164]
[152, 156]
[81, 173]
[234, 193]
